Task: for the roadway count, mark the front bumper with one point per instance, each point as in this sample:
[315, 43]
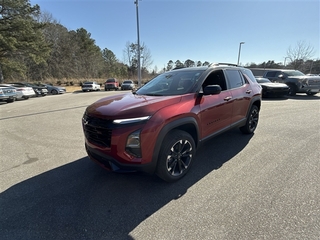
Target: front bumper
[111, 164]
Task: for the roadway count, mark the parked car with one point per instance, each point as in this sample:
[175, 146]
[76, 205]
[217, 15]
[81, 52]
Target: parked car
[39, 90]
[90, 86]
[54, 89]
[23, 92]
[111, 84]
[128, 85]
[273, 89]
[297, 81]
[159, 127]
[8, 94]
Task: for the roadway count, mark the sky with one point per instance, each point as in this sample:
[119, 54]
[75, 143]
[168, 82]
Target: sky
[200, 30]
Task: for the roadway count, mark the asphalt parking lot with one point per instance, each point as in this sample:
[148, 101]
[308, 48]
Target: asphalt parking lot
[262, 186]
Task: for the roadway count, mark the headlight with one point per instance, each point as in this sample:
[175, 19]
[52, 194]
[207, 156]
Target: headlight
[131, 120]
[133, 144]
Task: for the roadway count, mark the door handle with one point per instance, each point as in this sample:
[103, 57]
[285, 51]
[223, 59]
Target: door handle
[227, 98]
[248, 91]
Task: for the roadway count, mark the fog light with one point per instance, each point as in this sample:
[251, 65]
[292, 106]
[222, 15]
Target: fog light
[133, 144]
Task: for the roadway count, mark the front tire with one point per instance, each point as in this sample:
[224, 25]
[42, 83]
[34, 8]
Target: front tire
[292, 90]
[176, 156]
[54, 92]
[11, 100]
[252, 121]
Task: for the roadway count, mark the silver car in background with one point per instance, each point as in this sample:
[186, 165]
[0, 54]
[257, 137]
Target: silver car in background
[54, 89]
[23, 92]
[8, 94]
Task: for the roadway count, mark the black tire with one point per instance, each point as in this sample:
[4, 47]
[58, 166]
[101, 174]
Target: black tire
[252, 121]
[176, 155]
[54, 92]
[292, 90]
[11, 100]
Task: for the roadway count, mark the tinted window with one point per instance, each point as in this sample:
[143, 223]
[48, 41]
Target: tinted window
[249, 75]
[216, 78]
[234, 78]
[271, 74]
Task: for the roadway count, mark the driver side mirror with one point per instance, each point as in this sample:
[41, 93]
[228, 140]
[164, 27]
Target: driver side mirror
[282, 76]
[212, 90]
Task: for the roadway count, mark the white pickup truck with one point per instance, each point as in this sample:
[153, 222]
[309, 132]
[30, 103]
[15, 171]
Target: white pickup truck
[90, 86]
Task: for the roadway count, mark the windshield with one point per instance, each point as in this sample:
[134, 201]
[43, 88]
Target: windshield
[171, 83]
[294, 73]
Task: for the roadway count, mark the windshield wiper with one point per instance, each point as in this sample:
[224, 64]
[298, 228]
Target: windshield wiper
[153, 94]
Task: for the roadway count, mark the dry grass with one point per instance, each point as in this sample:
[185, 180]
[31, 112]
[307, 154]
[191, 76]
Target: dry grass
[72, 88]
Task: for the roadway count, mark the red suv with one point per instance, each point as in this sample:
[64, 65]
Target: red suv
[158, 128]
[111, 84]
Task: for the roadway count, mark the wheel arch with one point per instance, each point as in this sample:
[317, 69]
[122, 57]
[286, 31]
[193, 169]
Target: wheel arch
[187, 124]
[255, 101]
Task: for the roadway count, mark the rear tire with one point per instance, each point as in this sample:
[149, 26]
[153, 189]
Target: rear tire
[176, 156]
[54, 92]
[252, 121]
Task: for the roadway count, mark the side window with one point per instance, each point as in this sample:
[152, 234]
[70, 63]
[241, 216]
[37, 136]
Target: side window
[248, 75]
[216, 78]
[235, 79]
[271, 74]
[280, 73]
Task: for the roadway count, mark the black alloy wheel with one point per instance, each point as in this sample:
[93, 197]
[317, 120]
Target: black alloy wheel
[176, 156]
[54, 92]
[252, 121]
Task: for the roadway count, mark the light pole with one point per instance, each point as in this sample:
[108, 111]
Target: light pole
[239, 52]
[139, 67]
[284, 64]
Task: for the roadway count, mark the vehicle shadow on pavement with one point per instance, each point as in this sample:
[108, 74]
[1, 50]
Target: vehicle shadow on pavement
[82, 201]
[305, 97]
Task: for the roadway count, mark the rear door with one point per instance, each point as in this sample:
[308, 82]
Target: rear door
[241, 92]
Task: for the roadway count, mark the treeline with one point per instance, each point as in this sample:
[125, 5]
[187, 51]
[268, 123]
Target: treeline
[305, 66]
[35, 47]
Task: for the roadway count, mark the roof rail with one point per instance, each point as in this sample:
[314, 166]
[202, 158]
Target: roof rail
[218, 64]
[178, 67]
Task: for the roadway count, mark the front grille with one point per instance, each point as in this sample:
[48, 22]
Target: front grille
[312, 82]
[97, 131]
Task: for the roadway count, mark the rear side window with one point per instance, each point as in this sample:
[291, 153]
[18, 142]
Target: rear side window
[271, 74]
[248, 75]
[235, 79]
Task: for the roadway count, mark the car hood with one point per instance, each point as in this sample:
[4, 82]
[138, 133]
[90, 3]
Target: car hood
[315, 79]
[274, 84]
[129, 105]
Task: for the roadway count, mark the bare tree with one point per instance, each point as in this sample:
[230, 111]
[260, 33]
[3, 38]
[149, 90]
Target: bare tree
[300, 53]
[130, 55]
